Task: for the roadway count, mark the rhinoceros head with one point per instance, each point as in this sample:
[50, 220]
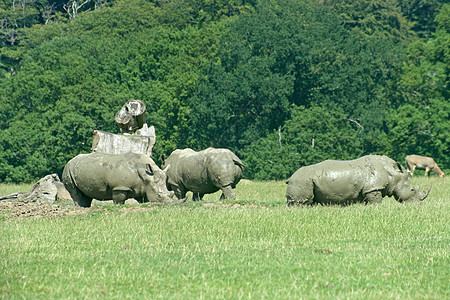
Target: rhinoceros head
[405, 192]
[399, 185]
[154, 181]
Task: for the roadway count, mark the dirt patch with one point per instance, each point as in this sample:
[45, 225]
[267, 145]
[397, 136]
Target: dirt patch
[234, 205]
[20, 210]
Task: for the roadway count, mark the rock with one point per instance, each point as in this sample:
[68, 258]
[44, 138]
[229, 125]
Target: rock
[43, 191]
[62, 195]
[47, 190]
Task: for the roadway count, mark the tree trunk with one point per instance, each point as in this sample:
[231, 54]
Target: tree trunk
[142, 142]
[131, 116]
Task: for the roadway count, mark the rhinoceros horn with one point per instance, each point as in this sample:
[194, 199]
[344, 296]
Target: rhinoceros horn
[425, 193]
[166, 169]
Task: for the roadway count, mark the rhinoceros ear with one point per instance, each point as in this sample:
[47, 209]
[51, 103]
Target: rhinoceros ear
[145, 171]
[400, 167]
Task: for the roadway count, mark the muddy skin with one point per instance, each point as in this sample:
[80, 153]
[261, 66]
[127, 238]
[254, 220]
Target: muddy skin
[364, 180]
[103, 176]
[203, 172]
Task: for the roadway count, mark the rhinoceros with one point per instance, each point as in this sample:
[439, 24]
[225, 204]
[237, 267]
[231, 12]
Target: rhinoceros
[367, 179]
[115, 177]
[203, 172]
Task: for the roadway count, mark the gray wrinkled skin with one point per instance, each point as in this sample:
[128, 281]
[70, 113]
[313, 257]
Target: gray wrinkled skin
[367, 179]
[115, 177]
[203, 172]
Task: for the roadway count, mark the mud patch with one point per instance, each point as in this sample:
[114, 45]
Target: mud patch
[21, 210]
[234, 205]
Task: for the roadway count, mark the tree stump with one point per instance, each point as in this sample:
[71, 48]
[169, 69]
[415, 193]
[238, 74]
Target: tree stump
[142, 142]
[131, 116]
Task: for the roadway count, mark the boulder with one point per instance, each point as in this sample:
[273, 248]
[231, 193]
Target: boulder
[47, 190]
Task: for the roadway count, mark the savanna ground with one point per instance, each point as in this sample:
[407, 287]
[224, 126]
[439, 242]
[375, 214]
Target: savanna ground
[251, 247]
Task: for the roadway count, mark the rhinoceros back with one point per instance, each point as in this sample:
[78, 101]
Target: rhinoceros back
[204, 171]
[337, 183]
[94, 174]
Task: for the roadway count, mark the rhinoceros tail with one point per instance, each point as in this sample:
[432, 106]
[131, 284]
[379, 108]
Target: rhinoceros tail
[239, 163]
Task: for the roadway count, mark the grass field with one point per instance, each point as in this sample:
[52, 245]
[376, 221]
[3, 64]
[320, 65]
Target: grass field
[252, 247]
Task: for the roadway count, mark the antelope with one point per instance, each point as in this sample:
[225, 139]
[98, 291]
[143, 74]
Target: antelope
[422, 163]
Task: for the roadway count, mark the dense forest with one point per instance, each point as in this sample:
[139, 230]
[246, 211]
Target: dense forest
[283, 83]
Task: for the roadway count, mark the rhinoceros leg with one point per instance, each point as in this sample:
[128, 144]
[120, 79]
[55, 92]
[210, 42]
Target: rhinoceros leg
[119, 196]
[180, 191]
[227, 193]
[373, 197]
[301, 193]
[197, 196]
[79, 198]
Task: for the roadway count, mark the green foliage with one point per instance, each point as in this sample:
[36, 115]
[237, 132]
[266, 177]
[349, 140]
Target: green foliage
[294, 53]
[421, 125]
[19, 18]
[183, 13]
[374, 18]
[226, 73]
[422, 14]
[74, 82]
[419, 129]
[312, 135]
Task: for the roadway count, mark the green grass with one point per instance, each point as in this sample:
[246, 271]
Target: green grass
[261, 249]
[7, 189]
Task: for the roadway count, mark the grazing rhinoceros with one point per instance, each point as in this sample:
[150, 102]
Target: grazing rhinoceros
[115, 177]
[422, 163]
[203, 172]
[367, 179]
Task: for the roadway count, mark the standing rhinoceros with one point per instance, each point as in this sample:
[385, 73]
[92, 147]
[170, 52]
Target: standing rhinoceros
[203, 172]
[367, 179]
[115, 177]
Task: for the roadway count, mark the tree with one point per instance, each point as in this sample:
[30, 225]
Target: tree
[373, 18]
[183, 13]
[419, 130]
[74, 76]
[422, 15]
[289, 53]
[420, 125]
[310, 136]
